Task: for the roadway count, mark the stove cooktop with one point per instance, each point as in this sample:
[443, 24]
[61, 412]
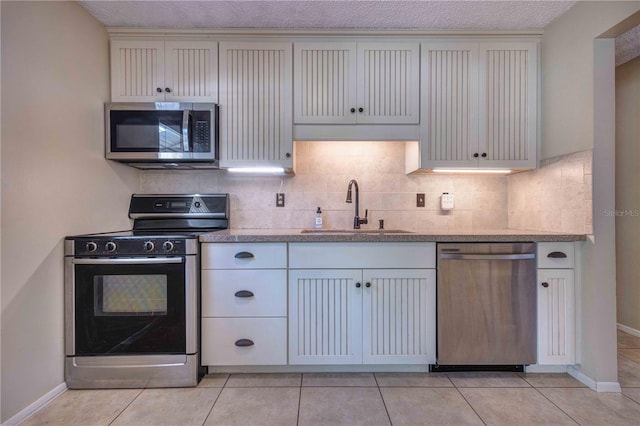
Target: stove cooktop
[163, 225]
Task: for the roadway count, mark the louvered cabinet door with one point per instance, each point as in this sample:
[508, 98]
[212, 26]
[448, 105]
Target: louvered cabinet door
[137, 71]
[325, 316]
[191, 71]
[256, 112]
[388, 83]
[556, 317]
[399, 316]
[508, 104]
[325, 83]
[449, 124]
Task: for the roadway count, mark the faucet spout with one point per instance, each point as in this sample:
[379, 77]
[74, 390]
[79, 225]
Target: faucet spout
[357, 221]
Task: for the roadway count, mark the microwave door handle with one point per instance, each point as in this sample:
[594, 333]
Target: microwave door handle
[186, 115]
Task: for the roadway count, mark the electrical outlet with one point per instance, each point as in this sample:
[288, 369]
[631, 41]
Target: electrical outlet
[420, 200]
[446, 201]
[279, 199]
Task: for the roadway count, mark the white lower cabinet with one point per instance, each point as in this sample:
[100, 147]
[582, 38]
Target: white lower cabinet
[361, 316]
[244, 341]
[556, 304]
[325, 316]
[244, 304]
[398, 316]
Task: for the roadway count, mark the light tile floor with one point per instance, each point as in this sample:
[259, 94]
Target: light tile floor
[362, 399]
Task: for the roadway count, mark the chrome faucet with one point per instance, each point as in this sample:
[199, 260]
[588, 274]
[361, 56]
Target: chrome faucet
[356, 220]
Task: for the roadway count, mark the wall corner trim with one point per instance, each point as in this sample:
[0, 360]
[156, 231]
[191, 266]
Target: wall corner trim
[32, 408]
[579, 375]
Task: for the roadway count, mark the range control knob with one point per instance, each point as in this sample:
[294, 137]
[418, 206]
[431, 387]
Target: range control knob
[167, 246]
[91, 247]
[110, 246]
[149, 246]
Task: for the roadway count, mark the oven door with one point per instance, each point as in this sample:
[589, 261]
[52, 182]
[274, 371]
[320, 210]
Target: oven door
[131, 306]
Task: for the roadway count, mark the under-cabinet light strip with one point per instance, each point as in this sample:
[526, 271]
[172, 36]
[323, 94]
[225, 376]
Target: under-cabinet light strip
[478, 171]
[271, 170]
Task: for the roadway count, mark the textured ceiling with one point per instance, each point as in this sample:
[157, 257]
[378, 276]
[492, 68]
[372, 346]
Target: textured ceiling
[628, 46]
[451, 15]
[314, 14]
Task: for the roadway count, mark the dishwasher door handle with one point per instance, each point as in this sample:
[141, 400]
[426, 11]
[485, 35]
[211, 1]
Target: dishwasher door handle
[471, 256]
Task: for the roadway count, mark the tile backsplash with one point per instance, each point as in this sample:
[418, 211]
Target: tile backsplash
[323, 171]
[555, 197]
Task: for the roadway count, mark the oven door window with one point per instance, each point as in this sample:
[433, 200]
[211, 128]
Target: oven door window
[130, 309]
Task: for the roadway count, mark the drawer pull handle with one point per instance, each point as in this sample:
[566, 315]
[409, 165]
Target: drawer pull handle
[557, 255]
[545, 285]
[244, 343]
[244, 293]
[244, 255]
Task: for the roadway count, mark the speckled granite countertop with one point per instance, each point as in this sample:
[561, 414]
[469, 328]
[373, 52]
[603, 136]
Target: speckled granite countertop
[325, 235]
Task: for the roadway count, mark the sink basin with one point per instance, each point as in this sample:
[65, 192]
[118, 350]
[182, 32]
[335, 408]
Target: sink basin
[354, 231]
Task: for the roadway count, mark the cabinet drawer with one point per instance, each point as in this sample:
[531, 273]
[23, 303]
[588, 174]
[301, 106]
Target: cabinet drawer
[221, 338]
[244, 255]
[225, 293]
[556, 255]
[362, 255]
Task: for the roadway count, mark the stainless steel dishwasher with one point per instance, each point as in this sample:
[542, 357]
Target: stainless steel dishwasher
[486, 309]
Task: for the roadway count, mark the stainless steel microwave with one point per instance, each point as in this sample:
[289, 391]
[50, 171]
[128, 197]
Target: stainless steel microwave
[162, 133]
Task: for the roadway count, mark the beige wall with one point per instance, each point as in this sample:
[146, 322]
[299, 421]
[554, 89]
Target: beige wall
[55, 181]
[628, 193]
[323, 171]
[567, 74]
[578, 113]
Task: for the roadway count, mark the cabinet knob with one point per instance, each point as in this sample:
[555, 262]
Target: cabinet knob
[244, 293]
[557, 255]
[367, 285]
[358, 285]
[476, 155]
[159, 90]
[360, 109]
[484, 155]
[244, 255]
[545, 284]
[244, 343]
[168, 90]
[288, 155]
[353, 110]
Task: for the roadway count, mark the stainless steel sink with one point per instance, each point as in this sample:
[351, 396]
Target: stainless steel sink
[354, 231]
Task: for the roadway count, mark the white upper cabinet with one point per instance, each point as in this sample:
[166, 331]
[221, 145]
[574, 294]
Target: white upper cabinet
[156, 71]
[449, 104]
[508, 104]
[256, 104]
[363, 82]
[479, 104]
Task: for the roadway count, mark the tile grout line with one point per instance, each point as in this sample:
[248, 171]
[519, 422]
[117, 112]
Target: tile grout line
[465, 400]
[299, 399]
[382, 398]
[216, 400]
[128, 405]
[556, 405]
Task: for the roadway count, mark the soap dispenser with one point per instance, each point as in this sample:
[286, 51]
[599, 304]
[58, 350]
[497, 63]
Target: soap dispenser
[318, 218]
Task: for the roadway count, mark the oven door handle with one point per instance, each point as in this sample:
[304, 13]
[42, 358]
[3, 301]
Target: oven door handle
[129, 261]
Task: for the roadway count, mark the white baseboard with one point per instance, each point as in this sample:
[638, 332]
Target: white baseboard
[28, 411]
[535, 368]
[629, 330]
[596, 386]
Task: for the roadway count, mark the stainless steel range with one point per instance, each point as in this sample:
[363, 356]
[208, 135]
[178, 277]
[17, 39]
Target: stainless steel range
[132, 298]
